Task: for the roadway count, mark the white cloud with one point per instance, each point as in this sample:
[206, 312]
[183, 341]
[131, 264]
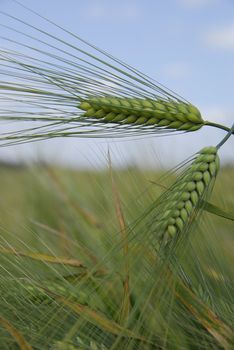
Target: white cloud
[196, 3]
[222, 38]
[109, 11]
[217, 114]
[176, 70]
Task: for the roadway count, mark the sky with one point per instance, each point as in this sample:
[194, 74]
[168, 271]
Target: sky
[187, 45]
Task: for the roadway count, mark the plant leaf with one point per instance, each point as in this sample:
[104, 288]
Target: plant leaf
[126, 304]
[209, 320]
[23, 344]
[213, 209]
[100, 320]
[45, 258]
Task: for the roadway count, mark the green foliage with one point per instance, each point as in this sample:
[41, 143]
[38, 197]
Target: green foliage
[53, 303]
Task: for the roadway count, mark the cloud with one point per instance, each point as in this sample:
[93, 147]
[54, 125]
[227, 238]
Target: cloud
[111, 11]
[175, 70]
[192, 4]
[222, 38]
[217, 114]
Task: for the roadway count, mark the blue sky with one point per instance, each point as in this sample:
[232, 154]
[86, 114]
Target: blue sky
[187, 45]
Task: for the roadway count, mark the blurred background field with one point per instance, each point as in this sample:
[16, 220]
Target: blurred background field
[48, 214]
[47, 208]
[55, 196]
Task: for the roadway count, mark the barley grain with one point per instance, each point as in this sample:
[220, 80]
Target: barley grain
[158, 113]
[185, 196]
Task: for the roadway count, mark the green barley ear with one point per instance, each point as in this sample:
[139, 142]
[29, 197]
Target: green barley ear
[87, 93]
[177, 207]
[158, 113]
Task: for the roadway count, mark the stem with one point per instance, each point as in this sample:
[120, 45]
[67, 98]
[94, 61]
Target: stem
[231, 131]
[219, 126]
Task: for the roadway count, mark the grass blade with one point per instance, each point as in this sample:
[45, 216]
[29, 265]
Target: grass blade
[23, 344]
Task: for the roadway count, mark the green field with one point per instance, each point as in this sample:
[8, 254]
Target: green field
[70, 280]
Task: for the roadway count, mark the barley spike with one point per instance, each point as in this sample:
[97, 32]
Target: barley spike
[161, 113]
[185, 196]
